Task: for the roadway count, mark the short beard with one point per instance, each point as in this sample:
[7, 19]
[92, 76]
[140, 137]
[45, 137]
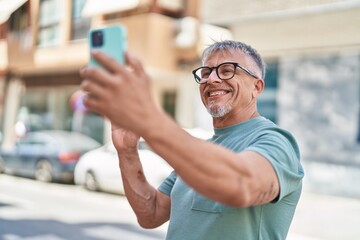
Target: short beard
[219, 111]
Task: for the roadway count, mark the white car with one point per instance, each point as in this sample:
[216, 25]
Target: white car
[98, 170]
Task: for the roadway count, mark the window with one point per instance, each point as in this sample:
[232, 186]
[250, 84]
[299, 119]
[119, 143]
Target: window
[267, 101]
[44, 108]
[34, 111]
[19, 20]
[169, 102]
[92, 125]
[49, 23]
[80, 25]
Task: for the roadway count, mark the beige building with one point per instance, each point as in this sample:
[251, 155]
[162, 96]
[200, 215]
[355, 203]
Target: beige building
[312, 49]
[43, 45]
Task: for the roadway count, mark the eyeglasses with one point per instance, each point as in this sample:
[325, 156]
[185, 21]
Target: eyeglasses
[224, 71]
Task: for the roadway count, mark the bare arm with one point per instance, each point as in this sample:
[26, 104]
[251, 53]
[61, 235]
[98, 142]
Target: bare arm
[151, 207]
[234, 179]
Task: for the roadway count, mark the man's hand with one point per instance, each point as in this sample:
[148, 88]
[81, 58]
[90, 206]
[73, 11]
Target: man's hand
[122, 93]
[151, 207]
[124, 140]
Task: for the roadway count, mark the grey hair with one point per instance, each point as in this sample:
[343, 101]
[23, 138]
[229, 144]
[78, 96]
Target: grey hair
[235, 45]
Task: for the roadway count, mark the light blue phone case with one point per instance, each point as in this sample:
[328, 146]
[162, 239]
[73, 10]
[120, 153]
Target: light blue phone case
[114, 43]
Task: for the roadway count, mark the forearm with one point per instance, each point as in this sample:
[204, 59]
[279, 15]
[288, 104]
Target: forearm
[142, 197]
[202, 165]
[214, 171]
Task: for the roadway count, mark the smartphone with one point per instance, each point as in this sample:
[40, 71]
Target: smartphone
[111, 39]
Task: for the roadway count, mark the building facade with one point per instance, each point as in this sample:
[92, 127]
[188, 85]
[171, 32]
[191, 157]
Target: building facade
[44, 44]
[313, 53]
[312, 50]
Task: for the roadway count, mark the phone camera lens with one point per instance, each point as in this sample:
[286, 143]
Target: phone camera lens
[97, 38]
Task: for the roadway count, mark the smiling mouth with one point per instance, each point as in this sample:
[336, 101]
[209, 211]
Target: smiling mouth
[217, 93]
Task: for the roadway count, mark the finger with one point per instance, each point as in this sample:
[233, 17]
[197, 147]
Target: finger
[107, 61]
[134, 63]
[96, 74]
[96, 98]
[93, 88]
[92, 103]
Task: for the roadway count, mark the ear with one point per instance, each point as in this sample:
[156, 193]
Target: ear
[259, 85]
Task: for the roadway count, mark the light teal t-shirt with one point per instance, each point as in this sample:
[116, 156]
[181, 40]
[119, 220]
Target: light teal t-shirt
[194, 217]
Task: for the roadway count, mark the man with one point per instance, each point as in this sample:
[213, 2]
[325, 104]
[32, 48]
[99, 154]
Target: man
[244, 183]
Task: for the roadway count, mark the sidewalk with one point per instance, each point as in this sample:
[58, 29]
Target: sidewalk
[326, 217]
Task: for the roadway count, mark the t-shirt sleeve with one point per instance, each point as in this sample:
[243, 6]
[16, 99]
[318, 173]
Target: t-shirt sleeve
[280, 148]
[167, 185]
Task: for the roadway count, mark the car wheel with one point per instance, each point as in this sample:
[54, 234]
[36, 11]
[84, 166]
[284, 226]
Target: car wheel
[43, 171]
[91, 182]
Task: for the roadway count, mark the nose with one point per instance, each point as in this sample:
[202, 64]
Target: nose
[213, 78]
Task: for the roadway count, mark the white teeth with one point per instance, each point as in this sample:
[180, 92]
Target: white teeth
[216, 93]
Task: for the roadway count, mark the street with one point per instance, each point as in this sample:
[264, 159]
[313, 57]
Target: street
[39, 211]
[31, 210]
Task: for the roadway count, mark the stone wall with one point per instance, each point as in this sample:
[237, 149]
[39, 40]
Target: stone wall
[319, 101]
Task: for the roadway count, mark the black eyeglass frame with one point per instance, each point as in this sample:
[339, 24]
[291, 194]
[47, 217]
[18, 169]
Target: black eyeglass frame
[198, 79]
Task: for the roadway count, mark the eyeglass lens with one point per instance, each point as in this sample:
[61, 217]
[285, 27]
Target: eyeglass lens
[224, 71]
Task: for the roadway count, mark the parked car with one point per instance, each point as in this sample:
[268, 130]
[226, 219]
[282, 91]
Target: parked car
[47, 156]
[98, 170]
